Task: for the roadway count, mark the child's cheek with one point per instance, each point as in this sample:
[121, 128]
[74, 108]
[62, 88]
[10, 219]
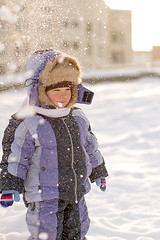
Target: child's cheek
[53, 99]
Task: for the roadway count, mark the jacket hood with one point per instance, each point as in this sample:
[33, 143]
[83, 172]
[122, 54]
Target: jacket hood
[51, 67]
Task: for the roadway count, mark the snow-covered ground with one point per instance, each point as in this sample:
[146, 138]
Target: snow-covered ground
[125, 117]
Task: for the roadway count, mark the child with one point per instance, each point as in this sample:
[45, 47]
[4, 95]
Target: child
[50, 155]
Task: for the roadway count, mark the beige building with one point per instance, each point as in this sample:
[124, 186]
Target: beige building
[155, 53]
[89, 30]
[120, 36]
[142, 58]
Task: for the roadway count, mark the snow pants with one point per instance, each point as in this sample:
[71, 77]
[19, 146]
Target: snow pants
[57, 220]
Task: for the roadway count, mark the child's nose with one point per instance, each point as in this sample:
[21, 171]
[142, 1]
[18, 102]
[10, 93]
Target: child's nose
[63, 95]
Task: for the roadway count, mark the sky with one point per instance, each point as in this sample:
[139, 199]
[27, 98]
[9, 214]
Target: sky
[145, 21]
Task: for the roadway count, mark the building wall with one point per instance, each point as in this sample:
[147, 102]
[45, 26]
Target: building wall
[84, 29]
[87, 39]
[120, 36]
[76, 27]
[7, 35]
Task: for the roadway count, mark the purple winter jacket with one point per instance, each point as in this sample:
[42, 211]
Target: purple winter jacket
[51, 154]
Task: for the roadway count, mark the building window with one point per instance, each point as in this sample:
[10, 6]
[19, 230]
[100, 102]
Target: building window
[65, 23]
[75, 24]
[89, 49]
[76, 45]
[2, 69]
[117, 57]
[65, 44]
[89, 27]
[47, 9]
[117, 37]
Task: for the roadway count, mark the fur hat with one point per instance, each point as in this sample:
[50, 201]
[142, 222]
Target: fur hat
[60, 69]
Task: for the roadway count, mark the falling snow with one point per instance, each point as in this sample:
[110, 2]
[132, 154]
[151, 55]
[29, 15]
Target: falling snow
[125, 118]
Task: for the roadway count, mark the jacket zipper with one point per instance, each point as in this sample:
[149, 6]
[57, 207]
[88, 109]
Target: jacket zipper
[72, 163]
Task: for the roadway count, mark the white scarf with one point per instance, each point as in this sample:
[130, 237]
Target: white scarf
[27, 110]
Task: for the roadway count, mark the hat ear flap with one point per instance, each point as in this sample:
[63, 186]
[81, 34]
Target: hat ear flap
[85, 96]
[43, 98]
[74, 96]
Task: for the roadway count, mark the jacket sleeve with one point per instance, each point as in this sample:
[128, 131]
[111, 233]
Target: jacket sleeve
[18, 147]
[91, 147]
[97, 161]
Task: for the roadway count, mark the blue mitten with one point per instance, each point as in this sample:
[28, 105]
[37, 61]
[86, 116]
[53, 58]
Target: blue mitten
[101, 182]
[7, 200]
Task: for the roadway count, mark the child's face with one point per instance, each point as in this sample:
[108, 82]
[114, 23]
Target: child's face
[60, 97]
